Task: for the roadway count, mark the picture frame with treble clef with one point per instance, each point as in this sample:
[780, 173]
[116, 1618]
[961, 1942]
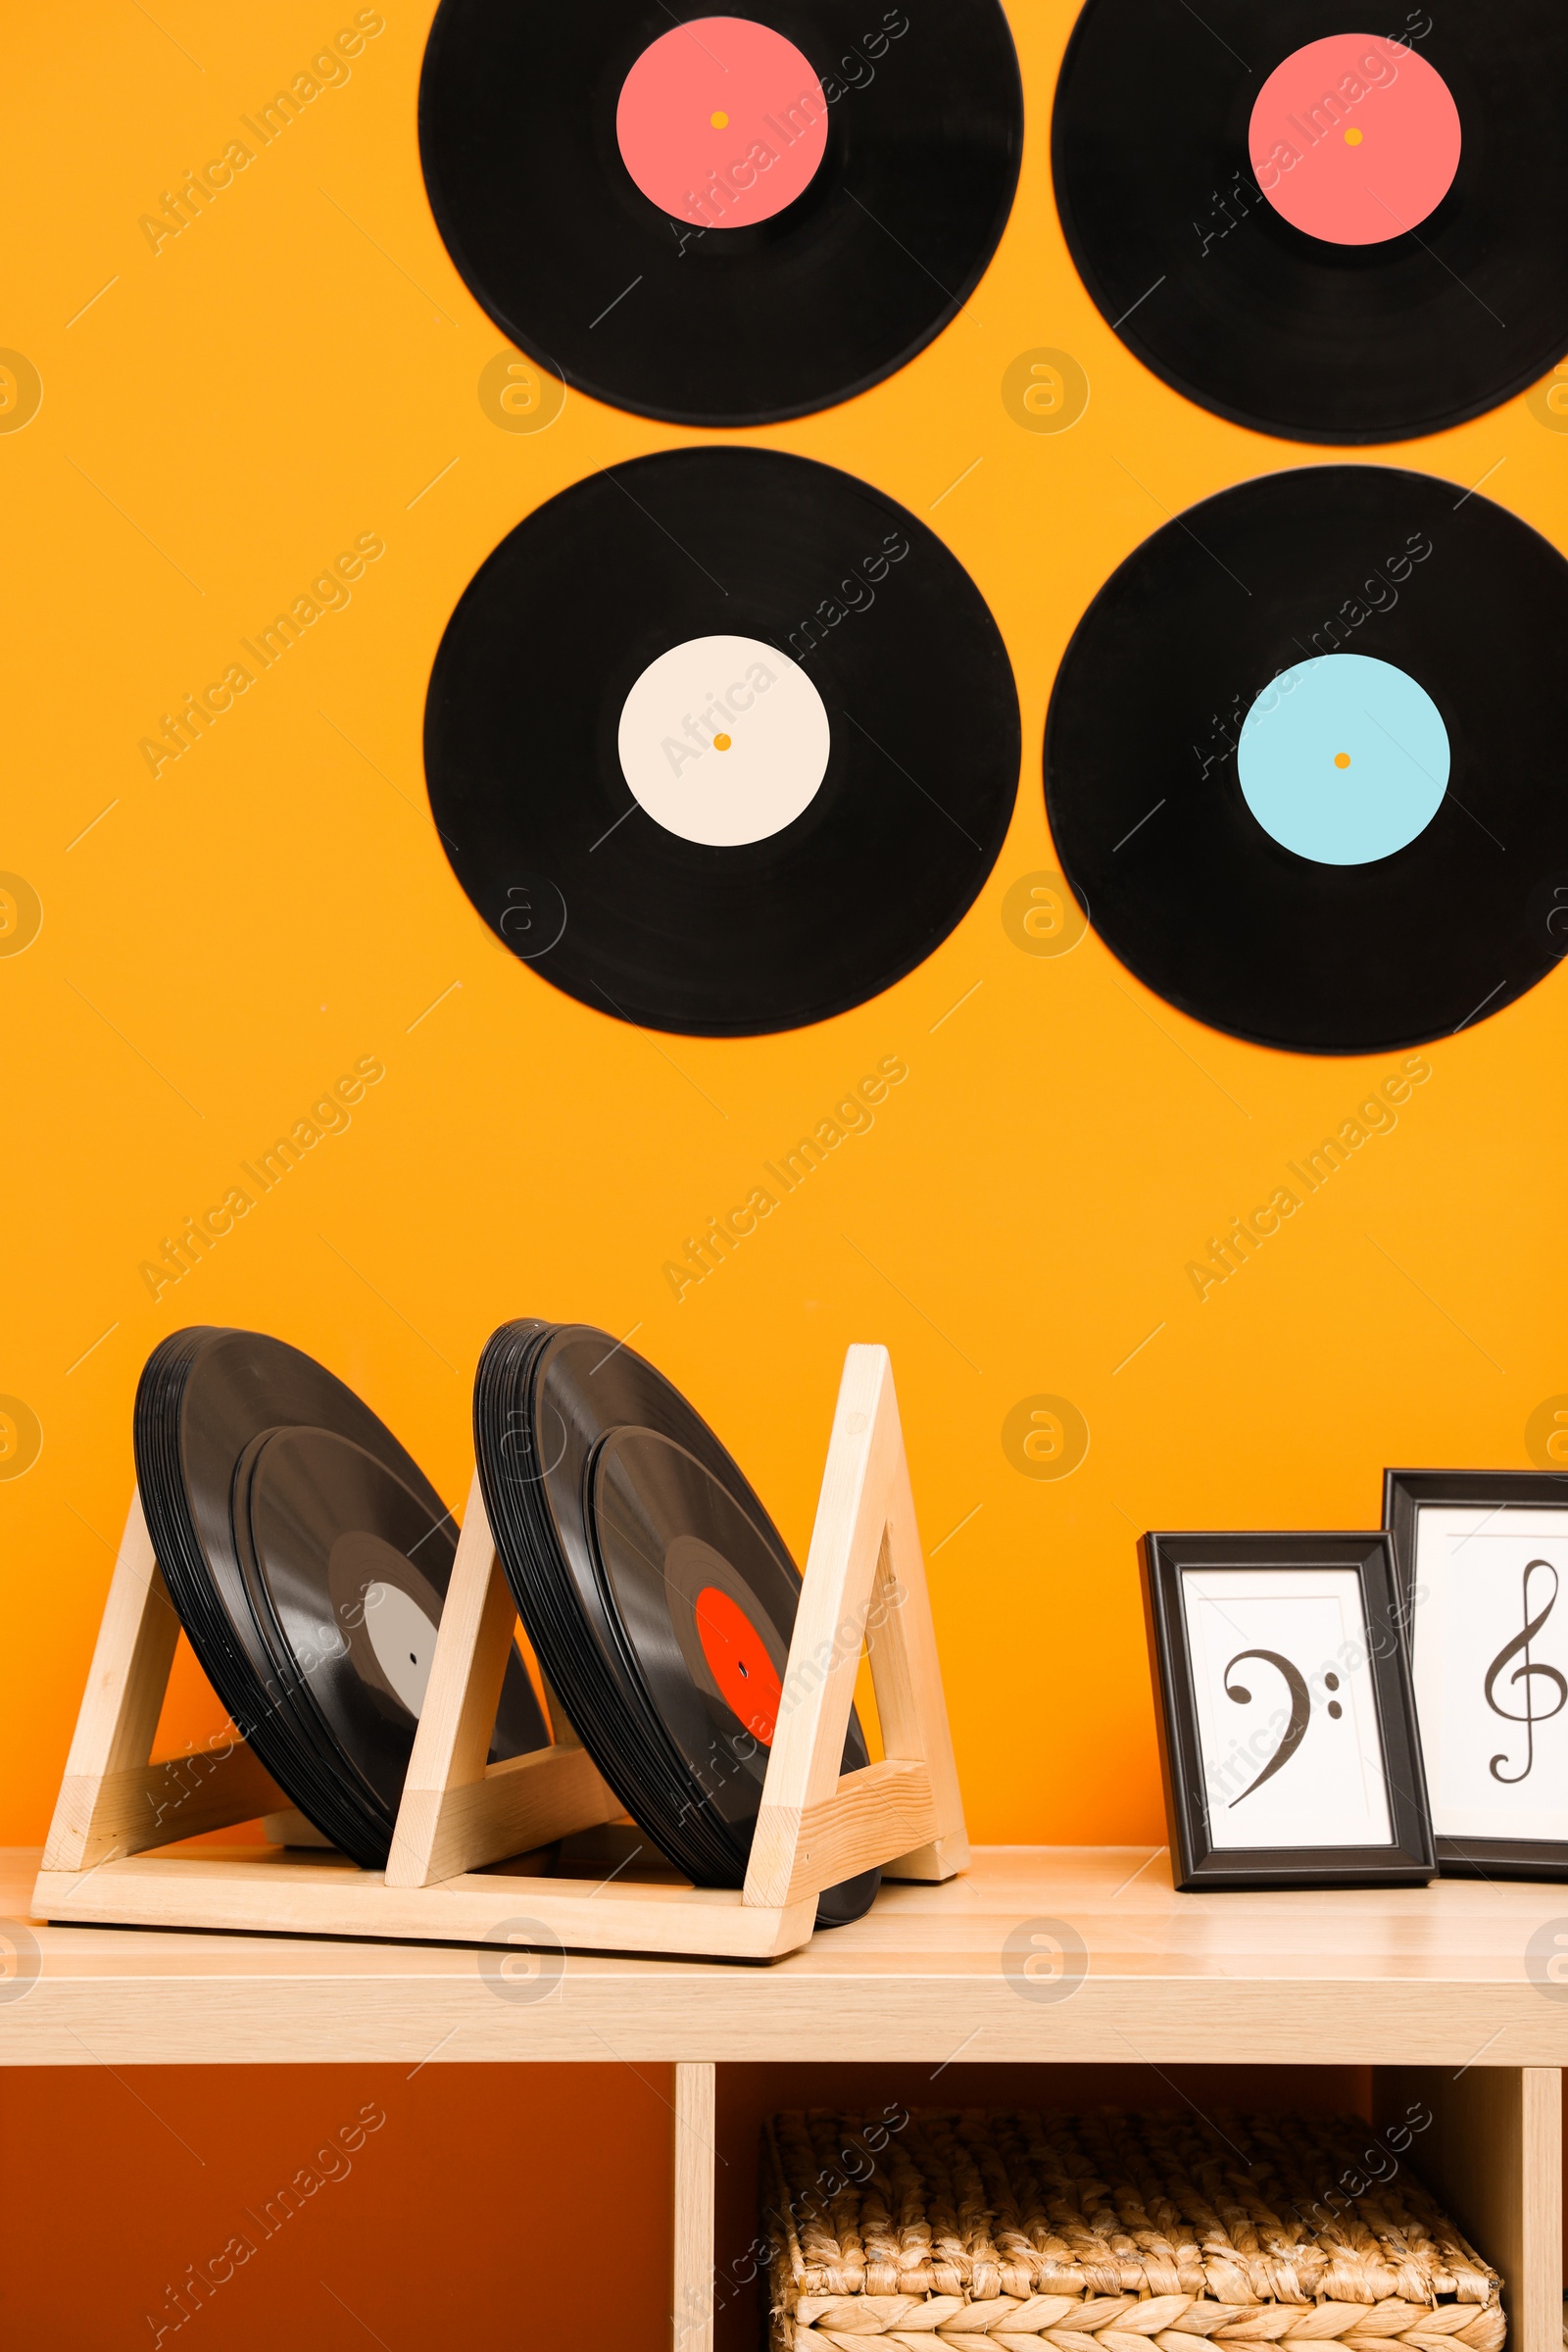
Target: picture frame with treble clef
[1289, 1739]
[1481, 1561]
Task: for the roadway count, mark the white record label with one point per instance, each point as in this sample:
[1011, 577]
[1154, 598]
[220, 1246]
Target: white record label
[724, 740]
[403, 1639]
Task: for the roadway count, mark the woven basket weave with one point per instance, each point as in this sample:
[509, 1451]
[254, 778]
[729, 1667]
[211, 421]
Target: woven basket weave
[984, 2233]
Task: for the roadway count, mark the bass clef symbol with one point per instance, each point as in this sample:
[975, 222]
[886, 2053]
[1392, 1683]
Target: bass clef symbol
[1300, 1710]
[1523, 1673]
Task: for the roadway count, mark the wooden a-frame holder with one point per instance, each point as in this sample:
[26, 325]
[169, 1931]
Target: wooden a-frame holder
[865, 1581]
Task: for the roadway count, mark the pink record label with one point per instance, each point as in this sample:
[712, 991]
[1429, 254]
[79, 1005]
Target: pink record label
[721, 121]
[1354, 139]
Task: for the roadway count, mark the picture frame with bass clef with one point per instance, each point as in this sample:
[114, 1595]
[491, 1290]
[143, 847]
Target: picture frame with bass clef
[1481, 1559]
[1289, 1739]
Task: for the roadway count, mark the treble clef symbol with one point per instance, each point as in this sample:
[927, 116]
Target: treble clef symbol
[1522, 1674]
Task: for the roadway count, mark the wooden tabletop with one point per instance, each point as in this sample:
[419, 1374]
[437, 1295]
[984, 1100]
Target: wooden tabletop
[1106, 1962]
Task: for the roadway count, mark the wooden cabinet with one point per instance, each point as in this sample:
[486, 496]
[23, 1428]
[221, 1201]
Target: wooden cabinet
[1035, 1957]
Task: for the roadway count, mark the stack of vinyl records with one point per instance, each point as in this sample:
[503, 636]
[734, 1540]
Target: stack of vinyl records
[657, 1593]
[307, 1556]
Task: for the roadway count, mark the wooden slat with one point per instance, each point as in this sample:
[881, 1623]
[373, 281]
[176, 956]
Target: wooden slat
[906, 1676]
[154, 1804]
[824, 1658]
[864, 1582]
[525, 1802]
[1494, 2155]
[112, 1800]
[295, 1894]
[696, 2122]
[457, 1815]
[120, 1707]
[887, 1804]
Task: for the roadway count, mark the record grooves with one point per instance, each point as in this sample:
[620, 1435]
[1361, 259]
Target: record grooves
[654, 1589]
[1303, 759]
[1175, 208]
[308, 1558]
[721, 741]
[699, 303]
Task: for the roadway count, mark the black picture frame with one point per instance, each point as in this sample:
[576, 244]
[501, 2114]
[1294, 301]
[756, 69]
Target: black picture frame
[1405, 1493]
[1196, 1864]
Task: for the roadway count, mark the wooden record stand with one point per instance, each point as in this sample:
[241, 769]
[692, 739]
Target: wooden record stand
[865, 1581]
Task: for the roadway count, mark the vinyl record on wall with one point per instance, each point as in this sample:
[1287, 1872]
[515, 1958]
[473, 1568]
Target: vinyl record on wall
[1318, 230]
[720, 219]
[1303, 759]
[722, 741]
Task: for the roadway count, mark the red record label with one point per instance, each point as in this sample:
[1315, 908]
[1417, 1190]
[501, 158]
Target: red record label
[1356, 140]
[722, 121]
[747, 1678]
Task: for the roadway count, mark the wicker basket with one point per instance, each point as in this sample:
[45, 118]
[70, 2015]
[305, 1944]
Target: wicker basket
[1111, 2233]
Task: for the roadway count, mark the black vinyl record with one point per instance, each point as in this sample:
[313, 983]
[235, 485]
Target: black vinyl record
[809, 691]
[1303, 762]
[1248, 312]
[308, 1558]
[717, 303]
[657, 1593]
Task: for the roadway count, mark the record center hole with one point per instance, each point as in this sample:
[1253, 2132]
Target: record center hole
[721, 743]
[1353, 139]
[1341, 758]
[720, 122]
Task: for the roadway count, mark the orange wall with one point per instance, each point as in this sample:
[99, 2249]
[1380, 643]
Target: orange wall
[229, 938]
[219, 944]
